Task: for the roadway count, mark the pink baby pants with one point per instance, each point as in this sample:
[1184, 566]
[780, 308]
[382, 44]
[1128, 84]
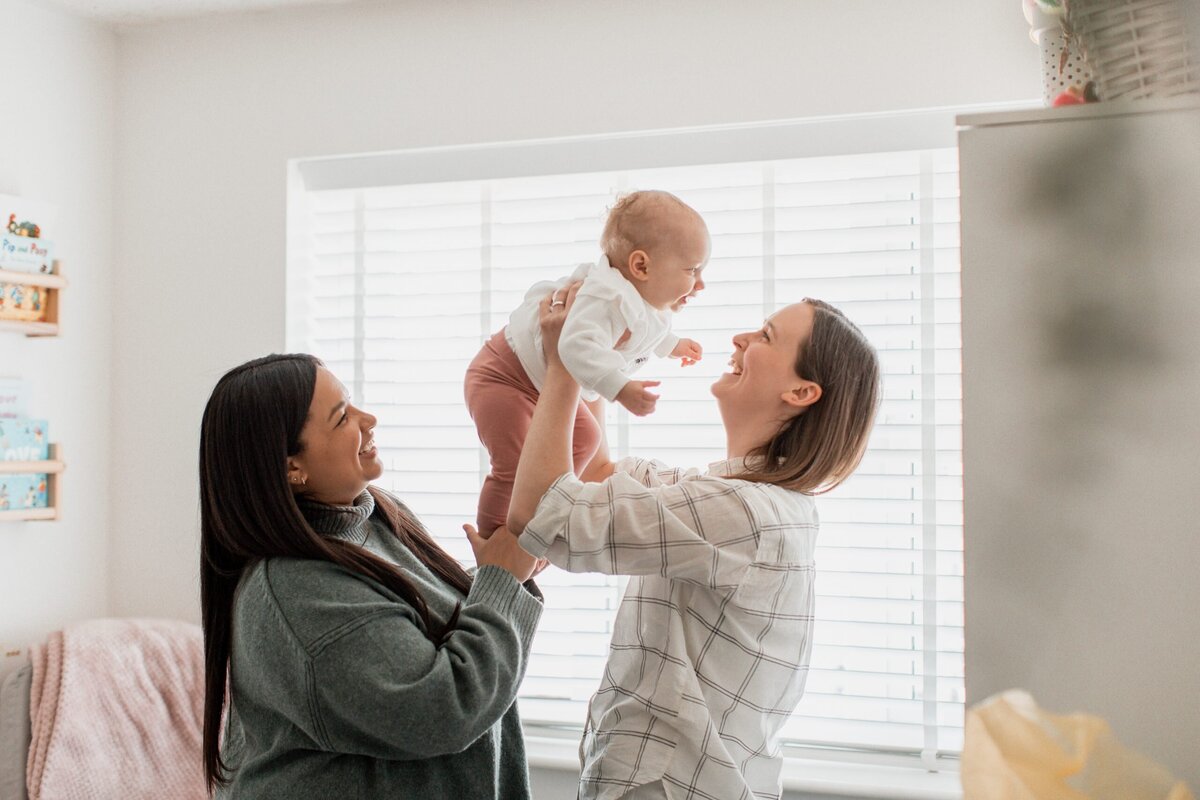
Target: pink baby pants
[501, 399]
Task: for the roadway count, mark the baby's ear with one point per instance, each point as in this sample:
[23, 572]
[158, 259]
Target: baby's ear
[639, 264]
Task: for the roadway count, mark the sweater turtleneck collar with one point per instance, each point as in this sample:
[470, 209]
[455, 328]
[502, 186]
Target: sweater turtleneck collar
[343, 522]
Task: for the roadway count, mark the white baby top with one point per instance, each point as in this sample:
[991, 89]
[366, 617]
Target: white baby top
[606, 306]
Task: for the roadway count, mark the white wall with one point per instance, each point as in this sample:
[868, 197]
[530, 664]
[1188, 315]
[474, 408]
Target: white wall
[56, 144]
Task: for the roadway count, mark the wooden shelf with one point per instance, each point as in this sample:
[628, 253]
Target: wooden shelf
[29, 515]
[49, 281]
[53, 283]
[29, 328]
[53, 467]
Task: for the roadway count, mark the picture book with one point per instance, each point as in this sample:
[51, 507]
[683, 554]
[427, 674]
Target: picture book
[25, 228]
[12, 398]
[23, 491]
[24, 440]
[24, 302]
[25, 255]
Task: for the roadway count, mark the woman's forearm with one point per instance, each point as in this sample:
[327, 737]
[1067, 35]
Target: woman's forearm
[546, 453]
[601, 466]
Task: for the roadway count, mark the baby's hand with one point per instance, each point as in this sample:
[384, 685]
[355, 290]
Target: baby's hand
[689, 350]
[636, 397]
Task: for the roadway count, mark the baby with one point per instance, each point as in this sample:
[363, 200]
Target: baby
[655, 247]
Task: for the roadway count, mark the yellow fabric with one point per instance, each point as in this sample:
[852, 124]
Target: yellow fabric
[1014, 750]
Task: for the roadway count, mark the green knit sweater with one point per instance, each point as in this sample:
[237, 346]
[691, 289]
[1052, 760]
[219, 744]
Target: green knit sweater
[336, 692]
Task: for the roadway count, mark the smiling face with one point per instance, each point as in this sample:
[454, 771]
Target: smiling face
[674, 275]
[762, 390]
[337, 457]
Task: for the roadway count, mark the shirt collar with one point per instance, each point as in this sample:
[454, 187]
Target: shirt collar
[633, 305]
[739, 465]
[605, 272]
[728, 467]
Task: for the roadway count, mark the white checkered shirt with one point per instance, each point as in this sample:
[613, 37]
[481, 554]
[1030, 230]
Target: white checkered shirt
[712, 640]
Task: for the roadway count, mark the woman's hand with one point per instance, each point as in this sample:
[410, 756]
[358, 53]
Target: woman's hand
[500, 549]
[552, 313]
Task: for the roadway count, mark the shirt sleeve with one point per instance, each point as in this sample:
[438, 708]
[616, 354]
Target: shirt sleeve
[664, 347]
[586, 345]
[647, 521]
[378, 687]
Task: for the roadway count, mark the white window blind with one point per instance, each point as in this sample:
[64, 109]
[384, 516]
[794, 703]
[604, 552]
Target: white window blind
[397, 286]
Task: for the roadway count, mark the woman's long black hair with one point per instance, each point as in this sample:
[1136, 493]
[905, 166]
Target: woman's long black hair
[251, 424]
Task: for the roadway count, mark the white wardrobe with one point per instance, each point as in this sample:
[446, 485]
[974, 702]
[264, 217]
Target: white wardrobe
[1081, 414]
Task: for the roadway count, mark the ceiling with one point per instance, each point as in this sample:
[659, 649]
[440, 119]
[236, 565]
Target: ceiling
[147, 10]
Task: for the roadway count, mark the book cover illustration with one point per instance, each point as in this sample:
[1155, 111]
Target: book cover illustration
[21, 491]
[24, 302]
[24, 246]
[12, 398]
[23, 440]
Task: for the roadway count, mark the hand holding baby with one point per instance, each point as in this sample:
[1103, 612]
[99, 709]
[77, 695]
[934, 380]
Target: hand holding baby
[552, 313]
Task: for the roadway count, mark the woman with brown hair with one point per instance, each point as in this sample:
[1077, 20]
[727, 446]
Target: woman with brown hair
[355, 658]
[712, 640]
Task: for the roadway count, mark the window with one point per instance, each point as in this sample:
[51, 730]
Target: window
[400, 265]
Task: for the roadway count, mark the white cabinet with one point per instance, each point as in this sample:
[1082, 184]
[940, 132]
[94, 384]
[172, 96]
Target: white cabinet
[1081, 415]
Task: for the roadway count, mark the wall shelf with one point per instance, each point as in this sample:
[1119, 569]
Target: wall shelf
[53, 283]
[53, 467]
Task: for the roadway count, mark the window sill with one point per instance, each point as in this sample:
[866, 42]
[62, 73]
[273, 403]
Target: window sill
[831, 778]
[841, 779]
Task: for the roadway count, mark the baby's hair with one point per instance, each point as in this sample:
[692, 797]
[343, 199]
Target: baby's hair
[636, 222]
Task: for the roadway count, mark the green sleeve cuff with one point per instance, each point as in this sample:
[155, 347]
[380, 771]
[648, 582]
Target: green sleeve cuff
[496, 587]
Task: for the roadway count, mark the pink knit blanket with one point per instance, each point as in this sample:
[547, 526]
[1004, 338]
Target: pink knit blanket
[116, 706]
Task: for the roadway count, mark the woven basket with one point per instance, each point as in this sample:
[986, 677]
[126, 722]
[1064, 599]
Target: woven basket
[1137, 48]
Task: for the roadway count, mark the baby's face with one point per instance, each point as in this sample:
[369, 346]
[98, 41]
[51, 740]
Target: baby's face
[675, 272]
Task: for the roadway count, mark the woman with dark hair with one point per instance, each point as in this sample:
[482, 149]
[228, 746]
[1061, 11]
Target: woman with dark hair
[712, 639]
[358, 658]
